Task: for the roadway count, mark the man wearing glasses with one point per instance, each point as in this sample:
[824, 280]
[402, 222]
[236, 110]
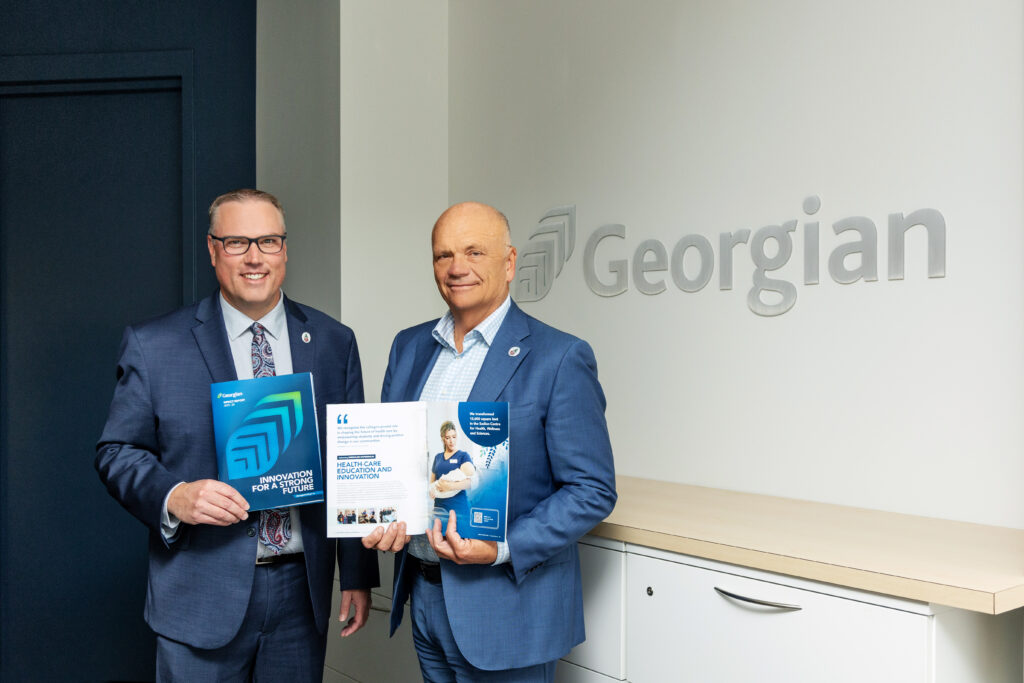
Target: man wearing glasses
[232, 596]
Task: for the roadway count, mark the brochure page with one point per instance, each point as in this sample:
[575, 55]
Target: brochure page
[417, 461]
[376, 467]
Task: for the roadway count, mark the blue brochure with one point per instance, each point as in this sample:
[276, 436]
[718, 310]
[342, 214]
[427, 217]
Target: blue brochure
[268, 444]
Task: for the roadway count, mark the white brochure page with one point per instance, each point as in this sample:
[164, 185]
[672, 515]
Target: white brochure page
[376, 470]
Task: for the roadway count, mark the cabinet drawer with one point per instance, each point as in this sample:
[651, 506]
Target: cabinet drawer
[680, 627]
[603, 572]
[567, 672]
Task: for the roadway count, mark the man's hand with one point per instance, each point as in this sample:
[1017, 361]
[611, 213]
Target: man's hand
[390, 539]
[460, 550]
[207, 501]
[358, 600]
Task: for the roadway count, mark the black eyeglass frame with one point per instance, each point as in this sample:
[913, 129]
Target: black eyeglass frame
[250, 242]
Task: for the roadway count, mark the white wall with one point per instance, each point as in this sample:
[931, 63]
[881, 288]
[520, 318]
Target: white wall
[685, 117]
[675, 118]
[297, 88]
[352, 135]
[394, 160]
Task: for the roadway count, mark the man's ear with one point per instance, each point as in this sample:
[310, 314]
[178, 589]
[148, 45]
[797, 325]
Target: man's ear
[510, 267]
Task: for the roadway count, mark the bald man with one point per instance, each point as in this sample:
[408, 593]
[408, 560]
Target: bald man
[486, 611]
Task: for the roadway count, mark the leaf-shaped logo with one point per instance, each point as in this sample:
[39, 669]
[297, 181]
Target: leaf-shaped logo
[265, 434]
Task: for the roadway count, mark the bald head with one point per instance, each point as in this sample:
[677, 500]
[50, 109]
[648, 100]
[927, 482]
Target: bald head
[474, 261]
[480, 214]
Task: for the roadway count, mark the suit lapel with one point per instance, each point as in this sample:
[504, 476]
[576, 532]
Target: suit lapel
[426, 354]
[303, 352]
[212, 339]
[509, 349]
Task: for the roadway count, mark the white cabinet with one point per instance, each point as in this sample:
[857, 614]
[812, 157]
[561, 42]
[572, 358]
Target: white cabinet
[685, 630]
[567, 672]
[677, 618]
[603, 573]
[689, 619]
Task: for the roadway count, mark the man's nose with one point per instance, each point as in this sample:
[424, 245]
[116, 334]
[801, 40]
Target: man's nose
[459, 265]
[252, 254]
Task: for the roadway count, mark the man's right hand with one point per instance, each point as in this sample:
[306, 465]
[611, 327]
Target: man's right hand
[390, 539]
[207, 501]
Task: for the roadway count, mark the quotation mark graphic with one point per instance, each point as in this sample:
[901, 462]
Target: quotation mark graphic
[540, 264]
[267, 431]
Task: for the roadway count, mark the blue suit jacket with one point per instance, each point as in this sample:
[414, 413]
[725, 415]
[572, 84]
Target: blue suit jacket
[561, 484]
[160, 432]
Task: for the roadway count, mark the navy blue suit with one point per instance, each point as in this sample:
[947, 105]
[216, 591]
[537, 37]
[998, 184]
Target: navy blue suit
[561, 484]
[160, 432]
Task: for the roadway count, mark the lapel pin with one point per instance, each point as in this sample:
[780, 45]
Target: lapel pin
[306, 337]
[513, 352]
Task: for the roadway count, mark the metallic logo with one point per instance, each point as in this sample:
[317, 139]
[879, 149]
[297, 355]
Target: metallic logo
[541, 262]
[608, 267]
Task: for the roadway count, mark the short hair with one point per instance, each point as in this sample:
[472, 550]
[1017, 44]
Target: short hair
[244, 195]
[447, 426]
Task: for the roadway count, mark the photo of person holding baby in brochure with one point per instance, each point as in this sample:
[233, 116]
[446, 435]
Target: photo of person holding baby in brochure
[451, 474]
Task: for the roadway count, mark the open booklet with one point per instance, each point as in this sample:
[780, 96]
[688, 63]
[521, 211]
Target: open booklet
[268, 445]
[414, 462]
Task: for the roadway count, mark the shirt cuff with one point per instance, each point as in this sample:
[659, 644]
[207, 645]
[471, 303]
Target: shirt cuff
[169, 523]
[503, 554]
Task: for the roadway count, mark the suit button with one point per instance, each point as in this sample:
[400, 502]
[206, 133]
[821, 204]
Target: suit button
[251, 531]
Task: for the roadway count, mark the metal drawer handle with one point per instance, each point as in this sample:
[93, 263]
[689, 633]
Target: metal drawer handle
[764, 603]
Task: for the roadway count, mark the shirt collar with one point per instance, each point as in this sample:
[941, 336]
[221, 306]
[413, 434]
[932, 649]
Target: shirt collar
[444, 330]
[237, 323]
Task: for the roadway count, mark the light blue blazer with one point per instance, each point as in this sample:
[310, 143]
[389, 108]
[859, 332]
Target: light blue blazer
[160, 432]
[561, 484]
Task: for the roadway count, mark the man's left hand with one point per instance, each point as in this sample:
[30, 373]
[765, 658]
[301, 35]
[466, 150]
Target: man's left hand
[358, 600]
[460, 550]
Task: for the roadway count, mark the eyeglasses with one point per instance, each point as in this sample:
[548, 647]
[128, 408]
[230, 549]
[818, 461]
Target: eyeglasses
[236, 246]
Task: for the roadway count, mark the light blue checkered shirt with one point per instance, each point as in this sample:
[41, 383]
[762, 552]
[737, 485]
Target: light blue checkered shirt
[452, 378]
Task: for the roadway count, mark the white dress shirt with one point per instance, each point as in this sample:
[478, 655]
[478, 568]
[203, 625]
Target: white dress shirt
[239, 330]
[451, 379]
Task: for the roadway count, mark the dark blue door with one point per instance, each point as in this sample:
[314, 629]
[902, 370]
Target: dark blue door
[119, 122]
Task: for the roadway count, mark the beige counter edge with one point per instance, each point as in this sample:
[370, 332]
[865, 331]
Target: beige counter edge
[902, 587]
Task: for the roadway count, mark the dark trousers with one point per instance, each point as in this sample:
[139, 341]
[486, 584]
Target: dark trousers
[440, 659]
[277, 641]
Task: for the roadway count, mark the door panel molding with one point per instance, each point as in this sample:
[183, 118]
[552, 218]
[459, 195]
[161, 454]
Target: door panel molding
[28, 75]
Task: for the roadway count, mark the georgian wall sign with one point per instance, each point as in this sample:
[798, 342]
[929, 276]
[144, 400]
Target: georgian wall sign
[608, 270]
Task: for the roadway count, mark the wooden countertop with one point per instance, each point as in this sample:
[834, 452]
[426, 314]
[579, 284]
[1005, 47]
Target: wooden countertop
[959, 564]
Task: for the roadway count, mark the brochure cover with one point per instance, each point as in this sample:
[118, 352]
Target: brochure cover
[414, 462]
[268, 445]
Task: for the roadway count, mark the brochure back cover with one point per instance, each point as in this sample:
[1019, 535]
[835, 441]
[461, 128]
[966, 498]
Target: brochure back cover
[268, 445]
[468, 470]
